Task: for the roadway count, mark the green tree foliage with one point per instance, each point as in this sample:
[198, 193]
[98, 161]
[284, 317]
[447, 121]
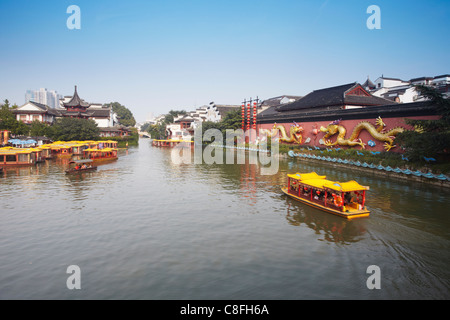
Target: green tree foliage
[125, 116]
[170, 117]
[158, 131]
[8, 121]
[232, 120]
[67, 129]
[431, 138]
[39, 129]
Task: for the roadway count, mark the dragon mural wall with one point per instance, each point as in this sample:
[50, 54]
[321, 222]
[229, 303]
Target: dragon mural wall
[363, 133]
[295, 133]
[354, 140]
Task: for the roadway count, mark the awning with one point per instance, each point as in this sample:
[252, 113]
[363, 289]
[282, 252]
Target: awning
[82, 161]
[306, 176]
[346, 186]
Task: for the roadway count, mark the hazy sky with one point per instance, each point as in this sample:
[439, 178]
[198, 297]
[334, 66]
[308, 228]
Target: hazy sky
[157, 55]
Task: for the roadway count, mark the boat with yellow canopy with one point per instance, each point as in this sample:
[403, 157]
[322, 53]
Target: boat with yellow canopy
[105, 154]
[345, 199]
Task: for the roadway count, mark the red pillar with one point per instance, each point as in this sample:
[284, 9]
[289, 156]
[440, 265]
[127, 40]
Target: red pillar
[254, 115]
[243, 117]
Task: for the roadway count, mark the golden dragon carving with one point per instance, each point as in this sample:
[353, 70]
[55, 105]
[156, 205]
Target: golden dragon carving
[377, 133]
[295, 133]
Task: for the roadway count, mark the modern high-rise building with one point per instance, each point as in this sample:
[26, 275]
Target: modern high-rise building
[43, 96]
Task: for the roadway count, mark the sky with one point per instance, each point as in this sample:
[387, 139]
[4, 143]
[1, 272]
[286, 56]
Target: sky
[156, 55]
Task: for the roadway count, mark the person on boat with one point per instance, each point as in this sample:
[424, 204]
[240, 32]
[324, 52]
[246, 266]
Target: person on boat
[77, 167]
[347, 198]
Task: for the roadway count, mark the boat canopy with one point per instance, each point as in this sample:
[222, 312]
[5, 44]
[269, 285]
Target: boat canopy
[100, 150]
[319, 182]
[346, 186]
[81, 161]
[5, 151]
[306, 176]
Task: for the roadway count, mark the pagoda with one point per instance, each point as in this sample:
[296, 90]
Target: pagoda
[76, 107]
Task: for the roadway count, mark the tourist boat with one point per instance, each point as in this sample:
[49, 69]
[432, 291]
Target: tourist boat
[106, 154]
[345, 199]
[78, 166]
[107, 144]
[10, 156]
[171, 143]
[77, 148]
[61, 151]
[46, 152]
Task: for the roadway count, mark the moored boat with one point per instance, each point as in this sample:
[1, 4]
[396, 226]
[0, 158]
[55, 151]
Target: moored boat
[106, 154]
[78, 166]
[10, 156]
[172, 143]
[345, 199]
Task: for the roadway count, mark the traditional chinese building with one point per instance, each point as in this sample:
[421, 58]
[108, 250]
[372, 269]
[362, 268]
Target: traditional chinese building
[346, 116]
[76, 107]
[34, 111]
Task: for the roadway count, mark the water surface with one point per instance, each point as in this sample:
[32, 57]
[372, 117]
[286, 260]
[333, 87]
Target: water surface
[145, 228]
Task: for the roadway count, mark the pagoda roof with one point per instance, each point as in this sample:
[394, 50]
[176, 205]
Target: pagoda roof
[76, 101]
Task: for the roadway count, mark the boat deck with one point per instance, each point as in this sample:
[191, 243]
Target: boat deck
[350, 213]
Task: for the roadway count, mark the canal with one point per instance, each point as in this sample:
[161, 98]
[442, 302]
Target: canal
[144, 227]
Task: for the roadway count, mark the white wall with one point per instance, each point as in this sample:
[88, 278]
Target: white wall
[102, 123]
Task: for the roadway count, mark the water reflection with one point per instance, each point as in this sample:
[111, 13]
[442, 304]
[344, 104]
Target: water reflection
[332, 229]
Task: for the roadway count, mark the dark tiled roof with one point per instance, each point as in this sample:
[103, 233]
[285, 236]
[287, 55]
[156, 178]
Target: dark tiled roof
[421, 78]
[369, 84]
[385, 111]
[76, 101]
[442, 76]
[277, 100]
[333, 96]
[366, 101]
[75, 114]
[42, 109]
[224, 109]
[93, 113]
[99, 112]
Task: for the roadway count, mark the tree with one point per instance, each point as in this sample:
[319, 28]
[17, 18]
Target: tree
[66, 129]
[8, 121]
[232, 120]
[157, 131]
[125, 116]
[431, 138]
[39, 129]
[170, 117]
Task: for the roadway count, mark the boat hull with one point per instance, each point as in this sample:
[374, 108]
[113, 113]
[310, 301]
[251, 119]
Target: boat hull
[104, 159]
[353, 214]
[74, 171]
